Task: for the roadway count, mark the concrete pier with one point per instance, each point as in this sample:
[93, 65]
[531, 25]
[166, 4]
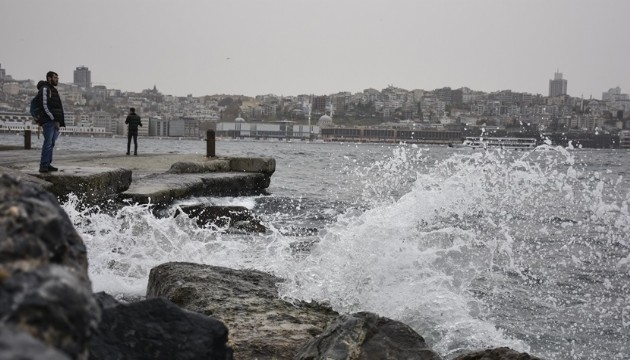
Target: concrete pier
[147, 178]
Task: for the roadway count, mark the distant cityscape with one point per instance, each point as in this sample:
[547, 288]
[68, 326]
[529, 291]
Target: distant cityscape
[392, 114]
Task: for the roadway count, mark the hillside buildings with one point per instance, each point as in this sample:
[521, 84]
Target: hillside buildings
[434, 116]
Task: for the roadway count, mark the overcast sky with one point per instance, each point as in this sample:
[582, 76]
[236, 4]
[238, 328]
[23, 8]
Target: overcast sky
[291, 47]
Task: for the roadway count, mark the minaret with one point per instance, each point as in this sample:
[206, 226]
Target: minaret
[331, 108]
[310, 109]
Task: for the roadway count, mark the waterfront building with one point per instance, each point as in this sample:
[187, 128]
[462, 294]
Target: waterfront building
[391, 135]
[557, 86]
[158, 126]
[184, 127]
[624, 139]
[284, 130]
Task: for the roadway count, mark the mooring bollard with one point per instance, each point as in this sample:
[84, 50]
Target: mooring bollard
[27, 139]
[210, 143]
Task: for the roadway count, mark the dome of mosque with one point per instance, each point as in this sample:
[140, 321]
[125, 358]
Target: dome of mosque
[239, 119]
[325, 120]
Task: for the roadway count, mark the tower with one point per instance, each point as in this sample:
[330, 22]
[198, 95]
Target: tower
[557, 86]
[83, 77]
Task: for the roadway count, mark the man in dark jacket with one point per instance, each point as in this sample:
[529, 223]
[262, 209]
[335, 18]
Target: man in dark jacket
[133, 120]
[53, 119]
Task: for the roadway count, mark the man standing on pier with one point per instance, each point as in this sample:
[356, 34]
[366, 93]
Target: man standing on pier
[53, 119]
[133, 120]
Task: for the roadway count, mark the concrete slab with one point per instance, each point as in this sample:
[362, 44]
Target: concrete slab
[155, 178]
[162, 189]
[90, 184]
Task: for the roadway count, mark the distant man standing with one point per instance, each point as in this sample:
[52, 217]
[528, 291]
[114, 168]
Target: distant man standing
[133, 121]
[53, 119]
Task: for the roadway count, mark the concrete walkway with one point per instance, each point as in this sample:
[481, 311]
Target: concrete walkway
[154, 178]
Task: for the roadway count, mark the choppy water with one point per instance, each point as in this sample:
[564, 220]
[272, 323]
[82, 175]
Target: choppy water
[472, 249]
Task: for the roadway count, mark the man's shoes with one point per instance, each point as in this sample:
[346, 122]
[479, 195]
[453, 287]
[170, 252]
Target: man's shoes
[52, 168]
[43, 170]
[135, 153]
[127, 153]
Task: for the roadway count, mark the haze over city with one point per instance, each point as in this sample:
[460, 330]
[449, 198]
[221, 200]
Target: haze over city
[321, 47]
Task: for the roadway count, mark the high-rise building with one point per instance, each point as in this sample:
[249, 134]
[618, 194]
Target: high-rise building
[83, 77]
[557, 86]
[319, 104]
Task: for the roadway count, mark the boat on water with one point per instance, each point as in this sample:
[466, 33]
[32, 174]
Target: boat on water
[482, 142]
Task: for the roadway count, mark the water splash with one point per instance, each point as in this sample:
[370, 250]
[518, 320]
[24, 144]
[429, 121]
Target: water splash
[444, 255]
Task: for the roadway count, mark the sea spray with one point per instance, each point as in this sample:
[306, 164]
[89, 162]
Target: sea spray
[445, 256]
[411, 257]
[125, 245]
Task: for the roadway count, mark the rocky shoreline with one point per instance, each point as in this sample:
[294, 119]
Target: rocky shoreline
[48, 310]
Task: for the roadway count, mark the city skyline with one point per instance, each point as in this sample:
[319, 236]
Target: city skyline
[301, 47]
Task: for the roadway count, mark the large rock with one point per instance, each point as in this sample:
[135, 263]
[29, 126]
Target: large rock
[45, 290]
[502, 353]
[367, 336]
[35, 231]
[156, 329]
[230, 218]
[53, 305]
[262, 326]
[17, 345]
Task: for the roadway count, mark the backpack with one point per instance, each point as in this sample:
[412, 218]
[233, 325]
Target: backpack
[37, 108]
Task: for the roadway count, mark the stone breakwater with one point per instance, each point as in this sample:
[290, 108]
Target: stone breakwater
[192, 311]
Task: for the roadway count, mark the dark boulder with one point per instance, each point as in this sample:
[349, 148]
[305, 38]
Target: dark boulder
[367, 336]
[502, 353]
[17, 345]
[53, 305]
[223, 217]
[156, 329]
[45, 290]
[35, 230]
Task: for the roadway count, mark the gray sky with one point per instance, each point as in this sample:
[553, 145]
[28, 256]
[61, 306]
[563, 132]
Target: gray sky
[291, 47]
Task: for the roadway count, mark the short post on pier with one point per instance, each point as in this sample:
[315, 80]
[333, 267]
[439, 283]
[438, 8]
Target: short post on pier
[27, 139]
[210, 143]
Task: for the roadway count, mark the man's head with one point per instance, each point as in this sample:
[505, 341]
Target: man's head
[52, 78]
[132, 110]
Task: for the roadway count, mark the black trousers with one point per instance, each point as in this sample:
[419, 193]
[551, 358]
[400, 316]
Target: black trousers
[132, 134]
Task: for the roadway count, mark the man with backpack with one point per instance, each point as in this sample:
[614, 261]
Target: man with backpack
[51, 118]
[133, 121]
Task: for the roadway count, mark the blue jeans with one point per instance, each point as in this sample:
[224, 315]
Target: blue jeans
[51, 133]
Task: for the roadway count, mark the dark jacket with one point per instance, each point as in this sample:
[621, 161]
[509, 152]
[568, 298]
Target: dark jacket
[51, 103]
[134, 121]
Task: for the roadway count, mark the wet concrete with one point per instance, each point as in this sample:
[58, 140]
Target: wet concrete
[146, 178]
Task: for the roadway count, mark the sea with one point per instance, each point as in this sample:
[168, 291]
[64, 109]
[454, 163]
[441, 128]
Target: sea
[471, 248]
